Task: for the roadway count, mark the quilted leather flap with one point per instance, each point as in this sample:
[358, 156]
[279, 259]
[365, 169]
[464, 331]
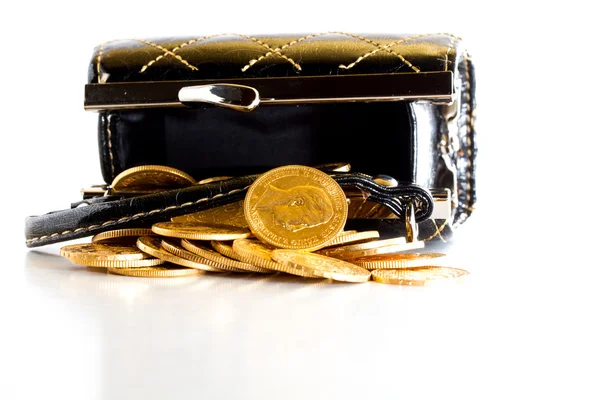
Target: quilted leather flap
[229, 55]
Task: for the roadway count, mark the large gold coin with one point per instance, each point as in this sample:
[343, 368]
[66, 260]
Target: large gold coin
[228, 214]
[353, 237]
[218, 258]
[311, 265]
[295, 207]
[94, 262]
[200, 231]
[152, 246]
[225, 249]
[149, 178]
[101, 251]
[122, 235]
[155, 272]
[255, 253]
[418, 276]
[397, 261]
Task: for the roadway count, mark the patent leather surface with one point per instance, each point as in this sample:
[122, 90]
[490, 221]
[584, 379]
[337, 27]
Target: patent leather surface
[375, 138]
[465, 158]
[233, 55]
[145, 210]
[407, 140]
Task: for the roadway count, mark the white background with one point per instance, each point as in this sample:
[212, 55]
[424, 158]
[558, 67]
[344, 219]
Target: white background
[525, 324]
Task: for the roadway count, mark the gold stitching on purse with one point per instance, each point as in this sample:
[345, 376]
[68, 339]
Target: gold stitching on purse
[277, 51]
[124, 219]
[438, 231]
[379, 48]
[450, 47]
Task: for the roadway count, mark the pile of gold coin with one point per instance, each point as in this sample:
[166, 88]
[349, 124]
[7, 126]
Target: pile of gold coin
[291, 221]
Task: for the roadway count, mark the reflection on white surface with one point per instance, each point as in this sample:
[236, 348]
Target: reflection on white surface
[253, 336]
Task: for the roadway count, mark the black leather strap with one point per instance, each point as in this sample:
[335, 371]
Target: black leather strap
[143, 211]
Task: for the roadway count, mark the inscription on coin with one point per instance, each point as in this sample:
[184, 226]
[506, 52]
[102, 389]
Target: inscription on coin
[296, 208]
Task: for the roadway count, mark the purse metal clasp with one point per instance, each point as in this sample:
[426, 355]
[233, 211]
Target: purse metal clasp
[226, 95]
[235, 94]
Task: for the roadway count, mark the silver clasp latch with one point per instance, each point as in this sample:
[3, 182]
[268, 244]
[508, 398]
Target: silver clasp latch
[226, 95]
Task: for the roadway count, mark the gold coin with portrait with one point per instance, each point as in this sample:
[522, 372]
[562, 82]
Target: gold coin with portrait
[295, 207]
[315, 265]
[150, 178]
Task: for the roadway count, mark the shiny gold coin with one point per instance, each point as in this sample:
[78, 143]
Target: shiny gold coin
[418, 276]
[228, 214]
[94, 262]
[353, 237]
[197, 231]
[148, 178]
[213, 179]
[152, 246]
[122, 235]
[393, 249]
[155, 272]
[295, 207]
[398, 261]
[315, 265]
[255, 253]
[101, 251]
[218, 258]
[173, 247]
[225, 249]
[339, 251]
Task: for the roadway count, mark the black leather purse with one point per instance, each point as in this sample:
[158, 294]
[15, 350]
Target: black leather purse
[400, 109]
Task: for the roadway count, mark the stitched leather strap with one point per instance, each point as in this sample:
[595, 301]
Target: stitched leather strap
[143, 211]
